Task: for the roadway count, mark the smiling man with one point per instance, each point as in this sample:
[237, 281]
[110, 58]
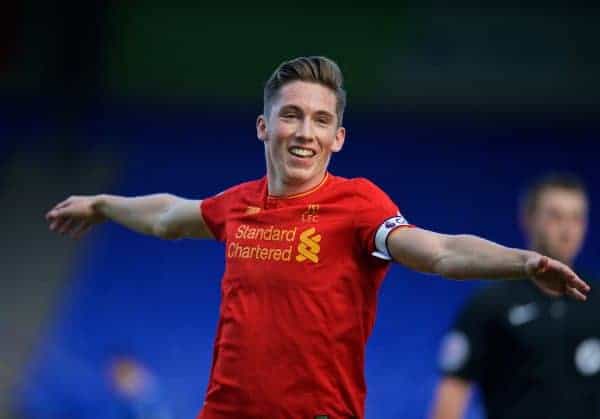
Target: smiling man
[306, 252]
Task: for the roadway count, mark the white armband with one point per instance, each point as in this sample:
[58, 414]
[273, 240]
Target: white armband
[384, 230]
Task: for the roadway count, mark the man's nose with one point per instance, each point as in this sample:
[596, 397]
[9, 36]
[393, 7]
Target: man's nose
[305, 130]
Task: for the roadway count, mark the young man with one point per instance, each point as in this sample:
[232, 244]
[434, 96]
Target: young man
[532, 356]
[306, 252]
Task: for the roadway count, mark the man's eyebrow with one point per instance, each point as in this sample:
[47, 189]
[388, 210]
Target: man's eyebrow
[325, 113]
[290, 108]
[296, 108]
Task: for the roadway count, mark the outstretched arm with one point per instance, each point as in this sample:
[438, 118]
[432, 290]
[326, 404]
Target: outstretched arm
[161, 215]
[466, 256]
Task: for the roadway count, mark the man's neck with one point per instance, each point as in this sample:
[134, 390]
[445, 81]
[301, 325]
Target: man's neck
[278, 187]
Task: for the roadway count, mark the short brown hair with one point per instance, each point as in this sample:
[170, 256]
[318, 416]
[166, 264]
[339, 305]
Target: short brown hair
[316, 69]
[532, 193]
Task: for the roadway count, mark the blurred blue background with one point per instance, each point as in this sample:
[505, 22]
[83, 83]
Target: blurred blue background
[451, 111]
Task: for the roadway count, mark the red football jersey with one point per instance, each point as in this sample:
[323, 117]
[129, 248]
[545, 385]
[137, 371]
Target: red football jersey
[299, 295]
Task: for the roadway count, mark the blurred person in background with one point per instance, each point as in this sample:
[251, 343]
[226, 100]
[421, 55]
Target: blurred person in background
[306, 252]
[531, 355]
[136, 388]
[121, 385]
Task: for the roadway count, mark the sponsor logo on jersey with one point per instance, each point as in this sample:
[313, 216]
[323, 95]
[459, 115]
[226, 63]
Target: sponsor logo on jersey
[309, 247]
[275, 244]
[271, 233]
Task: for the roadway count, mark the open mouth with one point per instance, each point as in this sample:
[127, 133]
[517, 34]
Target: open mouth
[302, 152]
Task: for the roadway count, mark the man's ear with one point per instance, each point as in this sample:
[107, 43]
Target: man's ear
[340, 137]
[261, 127]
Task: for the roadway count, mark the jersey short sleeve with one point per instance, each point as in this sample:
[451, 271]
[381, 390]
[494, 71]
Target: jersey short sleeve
[463, 348]
[376, 217]
[216, 209]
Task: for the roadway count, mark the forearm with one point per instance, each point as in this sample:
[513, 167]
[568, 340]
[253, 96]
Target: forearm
[466, 256]
[141, 214]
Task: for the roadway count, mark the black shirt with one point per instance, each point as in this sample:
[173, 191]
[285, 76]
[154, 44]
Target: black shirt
[533, 356]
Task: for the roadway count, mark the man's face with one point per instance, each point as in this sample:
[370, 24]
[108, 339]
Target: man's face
[558, 223]
[300, 133]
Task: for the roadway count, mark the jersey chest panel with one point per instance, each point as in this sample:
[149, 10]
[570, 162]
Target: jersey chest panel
[300, 244]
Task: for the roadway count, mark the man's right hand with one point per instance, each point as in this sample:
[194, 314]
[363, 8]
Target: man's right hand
[160, 215]
[75, 216]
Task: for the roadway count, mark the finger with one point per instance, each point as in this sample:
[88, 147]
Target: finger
[59, 212]
[576, 294]
[56, 209]
[50, 215]
[60, 205]
[570, 278]
[574, 281]
[64, 228]
[64, 203]
[53, 213]
[53, 224]
[68, 212]
[57, 223]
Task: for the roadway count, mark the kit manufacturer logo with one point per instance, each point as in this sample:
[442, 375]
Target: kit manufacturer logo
[252, 210]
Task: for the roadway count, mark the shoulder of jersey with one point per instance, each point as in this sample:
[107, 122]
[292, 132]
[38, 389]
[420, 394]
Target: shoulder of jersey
[251, 186]
[360, 181]
[360, 184]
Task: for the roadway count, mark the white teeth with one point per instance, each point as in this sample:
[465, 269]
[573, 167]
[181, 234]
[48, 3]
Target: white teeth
[301, 152]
